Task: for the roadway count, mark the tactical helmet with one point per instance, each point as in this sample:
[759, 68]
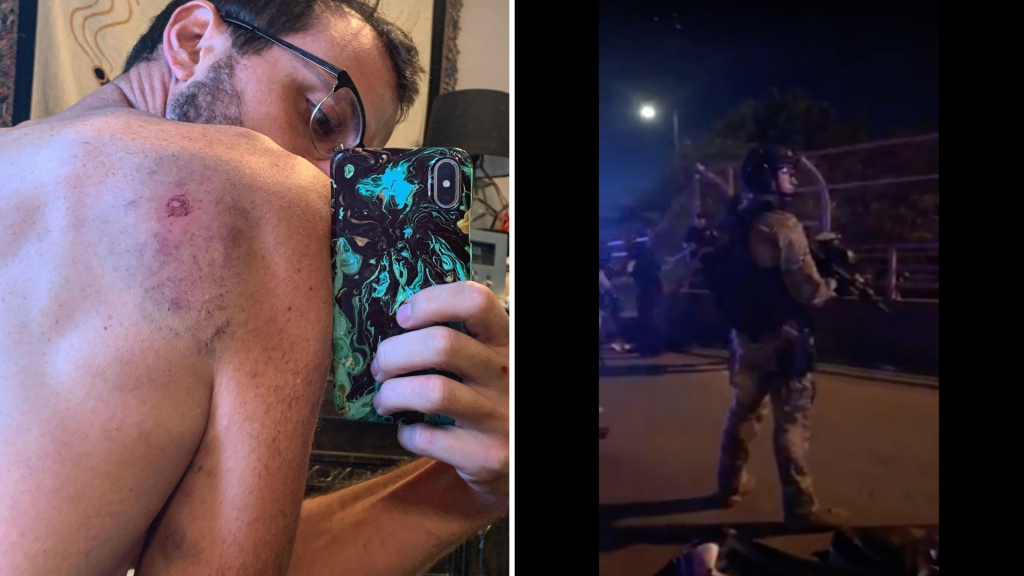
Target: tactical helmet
[762, 164]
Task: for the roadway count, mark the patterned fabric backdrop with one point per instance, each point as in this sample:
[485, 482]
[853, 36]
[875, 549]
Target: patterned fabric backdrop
[450, 51]
[81, 45]
[8, 42]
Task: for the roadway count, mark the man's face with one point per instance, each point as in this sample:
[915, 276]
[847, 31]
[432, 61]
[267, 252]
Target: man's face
[785, 180]
[211, 100]
[275, 92]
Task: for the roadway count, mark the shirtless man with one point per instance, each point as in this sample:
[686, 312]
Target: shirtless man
[165, 322]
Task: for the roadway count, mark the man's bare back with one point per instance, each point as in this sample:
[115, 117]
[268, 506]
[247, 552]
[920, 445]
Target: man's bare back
[153, 351]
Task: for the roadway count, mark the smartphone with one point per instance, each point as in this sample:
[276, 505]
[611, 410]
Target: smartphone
[400, 223]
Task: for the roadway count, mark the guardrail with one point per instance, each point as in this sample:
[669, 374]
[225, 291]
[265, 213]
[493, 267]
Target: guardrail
[896, 272]
[901, 272]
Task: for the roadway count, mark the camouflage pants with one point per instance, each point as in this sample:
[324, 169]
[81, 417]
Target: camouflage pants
[754, 377]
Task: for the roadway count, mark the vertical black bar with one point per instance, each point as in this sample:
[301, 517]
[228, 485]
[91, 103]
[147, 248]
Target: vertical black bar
[25, 60]
[439, 23]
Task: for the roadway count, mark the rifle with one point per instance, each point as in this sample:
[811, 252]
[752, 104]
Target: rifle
[836, 261]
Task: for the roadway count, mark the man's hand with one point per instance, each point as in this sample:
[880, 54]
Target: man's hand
[477, 444]
[407, 520]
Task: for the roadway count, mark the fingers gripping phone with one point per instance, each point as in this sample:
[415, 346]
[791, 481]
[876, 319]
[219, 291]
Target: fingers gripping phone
[400, 223]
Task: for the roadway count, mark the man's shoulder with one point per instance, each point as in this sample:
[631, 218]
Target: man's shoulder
[779, 223]
[778, 218]
[157, 139]
[230, 164]
[222, 197]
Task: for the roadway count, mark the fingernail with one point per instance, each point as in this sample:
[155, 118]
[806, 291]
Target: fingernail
[404, 311]
[376, 402]
[373, 367]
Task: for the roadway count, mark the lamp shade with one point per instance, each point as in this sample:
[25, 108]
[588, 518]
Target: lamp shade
[474, 120]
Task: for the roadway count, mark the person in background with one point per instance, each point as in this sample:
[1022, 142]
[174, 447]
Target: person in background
[699, 236]
[646, 274]
[698, 240]
[609, 311]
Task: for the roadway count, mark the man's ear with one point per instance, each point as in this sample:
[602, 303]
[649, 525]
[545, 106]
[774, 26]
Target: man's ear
[195, 33]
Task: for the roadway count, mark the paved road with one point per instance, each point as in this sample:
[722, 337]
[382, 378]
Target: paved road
[874, 451]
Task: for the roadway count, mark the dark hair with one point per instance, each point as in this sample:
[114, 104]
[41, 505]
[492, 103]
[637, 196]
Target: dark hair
[282, 17]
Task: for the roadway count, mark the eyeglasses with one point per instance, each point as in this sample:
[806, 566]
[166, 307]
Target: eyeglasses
[338, 121]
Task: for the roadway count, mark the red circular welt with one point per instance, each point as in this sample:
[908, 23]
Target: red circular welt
[178, 206]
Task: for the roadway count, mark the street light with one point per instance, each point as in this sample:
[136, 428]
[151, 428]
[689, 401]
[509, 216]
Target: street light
[648, 112]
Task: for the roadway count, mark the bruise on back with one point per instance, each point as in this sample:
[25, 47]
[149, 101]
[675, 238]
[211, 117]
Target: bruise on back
[195, 247]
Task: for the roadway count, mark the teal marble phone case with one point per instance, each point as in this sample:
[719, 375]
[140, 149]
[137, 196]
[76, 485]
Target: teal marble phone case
[389, 239]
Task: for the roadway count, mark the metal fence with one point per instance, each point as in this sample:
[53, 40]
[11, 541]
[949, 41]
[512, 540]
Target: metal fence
[896, 272]
[902, 271]
[883, 192]
[882, 197]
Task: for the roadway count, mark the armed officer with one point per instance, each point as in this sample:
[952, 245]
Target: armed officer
[766, 282]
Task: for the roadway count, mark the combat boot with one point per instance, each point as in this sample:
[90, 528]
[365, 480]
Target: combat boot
[817, 518]
[731, 496]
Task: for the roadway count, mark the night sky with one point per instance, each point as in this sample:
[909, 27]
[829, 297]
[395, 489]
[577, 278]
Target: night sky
[880, 62]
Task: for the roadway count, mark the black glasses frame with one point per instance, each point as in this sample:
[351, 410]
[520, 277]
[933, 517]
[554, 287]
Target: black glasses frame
[343, 79]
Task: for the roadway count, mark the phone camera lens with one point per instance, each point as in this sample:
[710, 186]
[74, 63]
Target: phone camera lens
[446, 179]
